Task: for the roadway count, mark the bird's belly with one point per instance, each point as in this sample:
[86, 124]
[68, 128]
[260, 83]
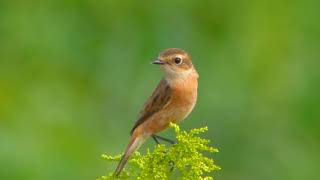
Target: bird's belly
[181, 113]
[162, 119]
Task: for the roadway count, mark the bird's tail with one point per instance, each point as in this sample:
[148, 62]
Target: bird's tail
[134, 143]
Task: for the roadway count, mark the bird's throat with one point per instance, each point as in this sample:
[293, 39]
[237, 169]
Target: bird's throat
[181, 78]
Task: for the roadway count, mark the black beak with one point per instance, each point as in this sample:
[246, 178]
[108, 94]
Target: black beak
[158, 61]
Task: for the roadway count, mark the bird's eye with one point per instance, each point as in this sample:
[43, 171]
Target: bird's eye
[178, 60]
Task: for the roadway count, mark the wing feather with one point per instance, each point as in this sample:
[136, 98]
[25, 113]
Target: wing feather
[157, 101]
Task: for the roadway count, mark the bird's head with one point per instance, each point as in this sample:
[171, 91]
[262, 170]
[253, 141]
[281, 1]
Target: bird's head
[175, 63]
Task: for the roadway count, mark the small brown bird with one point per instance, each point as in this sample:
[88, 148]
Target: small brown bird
[172, 100]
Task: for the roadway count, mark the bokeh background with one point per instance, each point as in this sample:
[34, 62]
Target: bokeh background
[74, 75]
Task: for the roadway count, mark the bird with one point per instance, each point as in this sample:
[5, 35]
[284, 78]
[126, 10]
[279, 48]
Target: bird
[171, 102]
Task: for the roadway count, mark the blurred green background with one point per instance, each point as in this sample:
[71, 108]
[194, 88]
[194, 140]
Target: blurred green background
[74, 75]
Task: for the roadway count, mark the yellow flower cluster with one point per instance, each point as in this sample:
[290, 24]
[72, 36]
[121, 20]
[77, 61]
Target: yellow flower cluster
[184, 160]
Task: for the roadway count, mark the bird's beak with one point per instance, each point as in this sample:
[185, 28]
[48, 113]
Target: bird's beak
[158, 61]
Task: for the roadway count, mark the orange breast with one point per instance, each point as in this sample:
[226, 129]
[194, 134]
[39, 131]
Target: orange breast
[182, 101]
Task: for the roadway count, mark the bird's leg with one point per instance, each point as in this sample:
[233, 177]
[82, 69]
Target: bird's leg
[156, 138]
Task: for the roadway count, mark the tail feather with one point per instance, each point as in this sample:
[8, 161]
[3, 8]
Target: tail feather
[134, 144]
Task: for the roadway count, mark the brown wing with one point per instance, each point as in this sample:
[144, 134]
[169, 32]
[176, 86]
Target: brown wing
[159, 99]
